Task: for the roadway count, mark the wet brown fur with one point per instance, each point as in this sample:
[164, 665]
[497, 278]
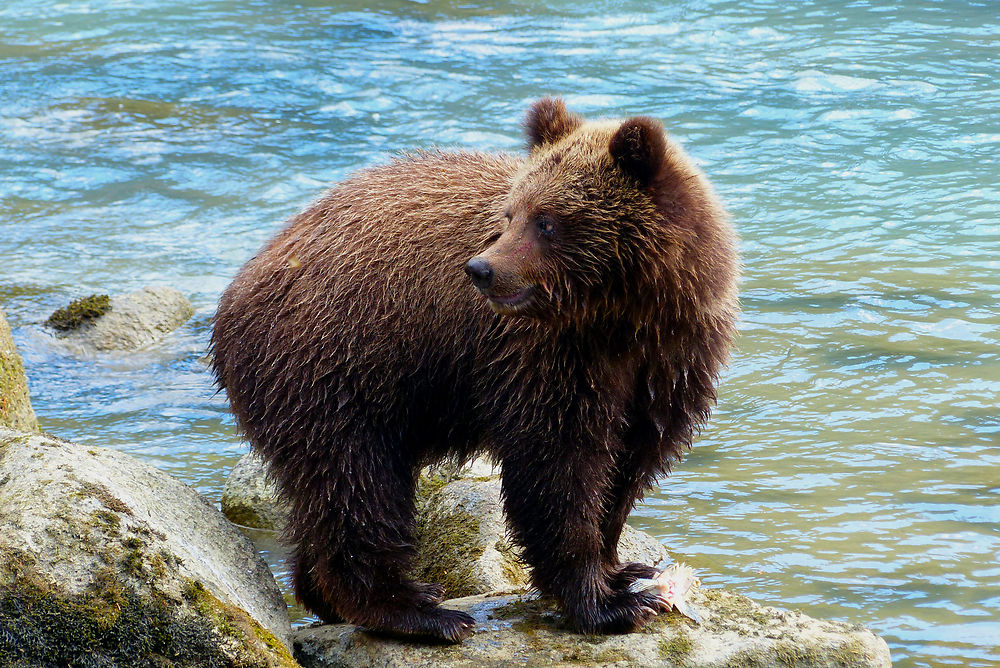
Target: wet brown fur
[354, 350]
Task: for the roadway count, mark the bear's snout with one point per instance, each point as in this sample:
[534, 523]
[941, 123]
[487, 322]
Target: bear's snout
[481, 273]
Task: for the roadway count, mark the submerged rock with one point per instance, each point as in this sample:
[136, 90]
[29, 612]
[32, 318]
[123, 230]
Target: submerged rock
[524, 631]
[123, 322]
[15, 406]
[107, 561]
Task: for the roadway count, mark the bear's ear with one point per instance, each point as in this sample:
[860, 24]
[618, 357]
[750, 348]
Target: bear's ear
[639, 148]
[548, 120]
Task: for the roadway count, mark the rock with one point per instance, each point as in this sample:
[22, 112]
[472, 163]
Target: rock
[106, 561]
[462, 540]
[449, 471]
[250, 498]
[524, 631]
[462, 544]
[124, 322]
[461, 536]
[15, 406]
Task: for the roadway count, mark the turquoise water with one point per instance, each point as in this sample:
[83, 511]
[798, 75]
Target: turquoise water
[853, 467]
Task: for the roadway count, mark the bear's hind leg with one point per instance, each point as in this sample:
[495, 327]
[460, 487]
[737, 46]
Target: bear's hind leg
[306, 593]
[361, 547]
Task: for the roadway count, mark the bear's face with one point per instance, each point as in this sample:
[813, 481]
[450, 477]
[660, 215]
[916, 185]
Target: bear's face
[573, 224]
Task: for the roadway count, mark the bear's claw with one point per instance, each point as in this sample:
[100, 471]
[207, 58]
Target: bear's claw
[452, 625]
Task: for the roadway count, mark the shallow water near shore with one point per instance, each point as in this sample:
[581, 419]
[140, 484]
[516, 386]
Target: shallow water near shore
[852, 468]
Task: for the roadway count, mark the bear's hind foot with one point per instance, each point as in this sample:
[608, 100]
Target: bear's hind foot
[450, 626]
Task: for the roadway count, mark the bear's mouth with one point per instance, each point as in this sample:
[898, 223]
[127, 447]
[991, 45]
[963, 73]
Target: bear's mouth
[511, 303]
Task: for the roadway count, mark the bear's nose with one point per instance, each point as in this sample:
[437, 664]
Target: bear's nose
[481, 273]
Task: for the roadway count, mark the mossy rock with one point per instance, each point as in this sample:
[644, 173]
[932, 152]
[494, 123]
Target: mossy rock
[15, 406]
[462, 540]
[105, 561]
[121, 322]
[79, 312]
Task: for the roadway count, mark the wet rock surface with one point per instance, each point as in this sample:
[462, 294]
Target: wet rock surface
[107, 561]
[525, 631]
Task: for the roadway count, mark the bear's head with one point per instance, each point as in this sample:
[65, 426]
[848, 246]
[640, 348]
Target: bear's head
[605, 219]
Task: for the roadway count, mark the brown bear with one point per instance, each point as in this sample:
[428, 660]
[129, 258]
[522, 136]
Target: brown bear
[582, 357]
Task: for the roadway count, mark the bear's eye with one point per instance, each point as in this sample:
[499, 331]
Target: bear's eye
[545, 225]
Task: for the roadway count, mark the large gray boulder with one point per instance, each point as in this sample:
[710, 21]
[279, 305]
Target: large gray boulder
[15, 407]
[122, 322]
[106, 561]
[523, 631]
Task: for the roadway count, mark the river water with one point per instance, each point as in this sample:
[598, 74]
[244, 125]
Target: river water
[851, 469]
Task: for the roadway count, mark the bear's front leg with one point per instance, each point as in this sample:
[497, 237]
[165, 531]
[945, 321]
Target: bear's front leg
[555, 508]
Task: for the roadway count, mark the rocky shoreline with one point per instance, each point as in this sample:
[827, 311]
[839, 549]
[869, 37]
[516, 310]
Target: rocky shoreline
[105, 560]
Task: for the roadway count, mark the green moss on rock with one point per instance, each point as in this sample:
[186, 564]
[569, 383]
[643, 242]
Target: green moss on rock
[237, 626]
[79, 312]
[676, 649]
[447, 545]
[124, 618]
[104, 495]
[108, 624]
[513, 567]
[851, 654]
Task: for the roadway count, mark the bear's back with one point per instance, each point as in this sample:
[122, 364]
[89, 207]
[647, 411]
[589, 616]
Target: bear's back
[366, 281]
